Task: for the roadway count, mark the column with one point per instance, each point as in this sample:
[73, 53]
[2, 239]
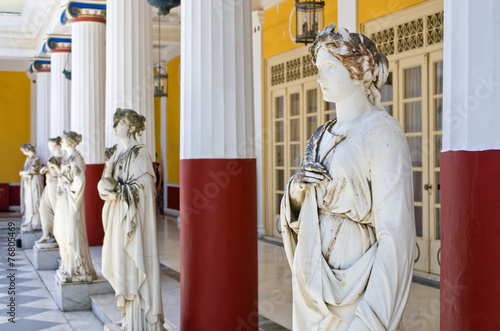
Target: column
[42, 68]
[88, 103]
[258, 89]
[347, 13]
[218, 168]
[470, 167]
[129, 70]
[59, 48]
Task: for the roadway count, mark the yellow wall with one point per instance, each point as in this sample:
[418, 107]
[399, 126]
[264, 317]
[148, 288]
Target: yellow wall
[15, 113]
[173, 120]
[275, 31]
[371, 9]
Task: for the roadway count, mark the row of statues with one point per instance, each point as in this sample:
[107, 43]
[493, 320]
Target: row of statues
[130, 260]
[346, 216]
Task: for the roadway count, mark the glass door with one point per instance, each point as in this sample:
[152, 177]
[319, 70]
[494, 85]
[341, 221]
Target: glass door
[413, 117]
[278, 127]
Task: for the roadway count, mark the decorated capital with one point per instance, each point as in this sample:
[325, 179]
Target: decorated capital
[84, 11]
[57, 44]
[40, 65]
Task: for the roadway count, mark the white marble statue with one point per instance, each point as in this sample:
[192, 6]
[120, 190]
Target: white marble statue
[31, 188]
[130, 259]
[49, 196]
[69, 217]
[347, 215]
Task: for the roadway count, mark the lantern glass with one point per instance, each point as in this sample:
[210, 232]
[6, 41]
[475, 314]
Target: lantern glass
[161, 82]
[310, 20]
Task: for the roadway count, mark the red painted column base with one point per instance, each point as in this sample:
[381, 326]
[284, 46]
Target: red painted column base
[93, 204]
[219, 278]
[470, 240]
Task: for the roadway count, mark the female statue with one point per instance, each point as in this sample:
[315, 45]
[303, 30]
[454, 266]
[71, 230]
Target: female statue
[69, 220]
[130, 259]
[49, 196]
[31, 188]
[347, 215]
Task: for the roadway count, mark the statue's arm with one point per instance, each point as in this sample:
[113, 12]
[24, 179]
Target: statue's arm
[388, 288]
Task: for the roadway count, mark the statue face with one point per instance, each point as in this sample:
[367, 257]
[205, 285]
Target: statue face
[64, 143]
[334, 79]
[121, 129]
[52, 146]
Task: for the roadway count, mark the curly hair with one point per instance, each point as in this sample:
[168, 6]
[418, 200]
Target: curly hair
[28, 147]
[56, 140]
[367, 67]
[72, 137]
[132, 118]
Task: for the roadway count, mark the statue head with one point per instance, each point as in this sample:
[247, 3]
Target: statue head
[132, 119]
[367, 67]
[28, 149]
[54, 143]
[71, 138]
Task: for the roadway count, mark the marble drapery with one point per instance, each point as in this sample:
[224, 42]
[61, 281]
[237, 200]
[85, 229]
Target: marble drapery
[350, 246]
[130, 259]
[31, 192]
[48, 201]
[69, 222]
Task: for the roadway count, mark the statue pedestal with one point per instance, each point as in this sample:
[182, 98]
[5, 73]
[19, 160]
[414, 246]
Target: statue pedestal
[28, 238]
[46, 256]
[111, 327]
[74, 296]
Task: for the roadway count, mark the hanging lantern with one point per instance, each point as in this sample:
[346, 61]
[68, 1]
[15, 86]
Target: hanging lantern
[164, 6]
[309, 18]
[161, 81]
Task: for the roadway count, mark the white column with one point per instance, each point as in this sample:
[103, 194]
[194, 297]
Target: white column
[88, 103]
[60, 87]
[216, 86]
[164, 155]
[43, 114]
[347, 13]
[471, 82]
[257, 22]
[129, 70]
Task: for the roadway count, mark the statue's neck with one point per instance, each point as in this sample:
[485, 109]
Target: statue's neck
[352, 109]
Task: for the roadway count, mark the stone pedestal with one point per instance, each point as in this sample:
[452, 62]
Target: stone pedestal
[76, 296]
[46, 256]
[28, 238]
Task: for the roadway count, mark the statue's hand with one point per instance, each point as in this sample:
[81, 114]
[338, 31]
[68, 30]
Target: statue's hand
[310, 175]
[109, 153]
[43, 171]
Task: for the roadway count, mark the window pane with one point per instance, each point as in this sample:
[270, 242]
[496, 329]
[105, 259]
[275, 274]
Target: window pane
[388, 109]
[295, 155]
[386, 89]
[418, 220]
[330, 116]
[415, 144]
[437, 182]
[438, 119]
[312, 125]
[438, 77]
[329, 106]
[280, 180]
[280, 156]
[413, 82]
[280, 131]
[312, 101]
[294, 104]
[279, 197]
[438, 141]
[295, 130]
[438, 223]
[413, 117]
[417, 186]
[279, 107]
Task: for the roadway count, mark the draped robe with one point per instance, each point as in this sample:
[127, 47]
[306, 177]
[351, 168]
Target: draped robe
[31, 192]
[130, 260]
[350, 244]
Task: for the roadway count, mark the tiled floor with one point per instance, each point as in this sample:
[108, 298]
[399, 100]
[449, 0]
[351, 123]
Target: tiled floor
[36, 309]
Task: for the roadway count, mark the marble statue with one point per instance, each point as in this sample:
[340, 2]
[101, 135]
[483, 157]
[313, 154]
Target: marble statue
[130, 260]
[31, 188]
[69, 216]
[347, 215]
[49, 196]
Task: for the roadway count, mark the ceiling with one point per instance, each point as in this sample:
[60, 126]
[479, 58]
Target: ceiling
[24, 25]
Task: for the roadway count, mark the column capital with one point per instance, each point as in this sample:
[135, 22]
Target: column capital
[41, 64]
[84, 11]
[57, 44]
